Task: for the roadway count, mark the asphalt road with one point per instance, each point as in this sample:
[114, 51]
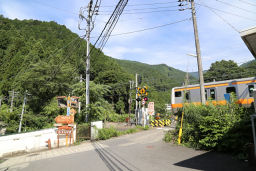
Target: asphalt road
[140, 151]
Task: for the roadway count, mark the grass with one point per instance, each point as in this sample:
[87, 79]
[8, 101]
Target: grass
[107, 133]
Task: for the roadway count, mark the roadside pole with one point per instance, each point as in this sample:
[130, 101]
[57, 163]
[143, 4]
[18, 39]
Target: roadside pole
[90, 26]
[198, 53]
[136, 106]
[0, 102]
[23, 109]
[12, 101]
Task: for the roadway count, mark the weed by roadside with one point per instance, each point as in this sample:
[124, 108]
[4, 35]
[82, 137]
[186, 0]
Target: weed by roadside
[107, 133]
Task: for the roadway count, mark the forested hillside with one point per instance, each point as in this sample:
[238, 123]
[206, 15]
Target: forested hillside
[46, 59]
[162, 77]
[251, 66]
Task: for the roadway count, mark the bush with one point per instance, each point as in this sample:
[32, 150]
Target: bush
[142, 127]
[224, 128]
[106, 133]
[170, 136]
[114, 117]
[130, 131]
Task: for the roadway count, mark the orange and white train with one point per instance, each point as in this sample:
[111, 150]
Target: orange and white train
[215, 91]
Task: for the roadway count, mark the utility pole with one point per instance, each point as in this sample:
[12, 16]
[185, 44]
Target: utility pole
[90, 26]
[130, 96]
[13, 94]
[81, 78]
[136, 106]
[198, 52]
[0, 102]
[12, 101]
[23, 109]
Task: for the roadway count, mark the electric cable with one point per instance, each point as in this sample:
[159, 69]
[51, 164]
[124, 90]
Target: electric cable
[225, 21]
[152, 28]
[139, 9]
[248, 3]
[229, 4]
[145, 12]
[157, 3]
[230, 13]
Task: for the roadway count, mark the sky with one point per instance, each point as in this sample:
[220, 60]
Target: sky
[219, 23]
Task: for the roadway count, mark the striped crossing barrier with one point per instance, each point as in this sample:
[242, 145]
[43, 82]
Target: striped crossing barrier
[160, 123]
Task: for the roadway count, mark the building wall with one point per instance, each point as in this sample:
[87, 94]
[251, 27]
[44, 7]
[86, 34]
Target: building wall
[32, 141]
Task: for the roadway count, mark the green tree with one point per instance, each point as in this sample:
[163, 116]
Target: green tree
[224, 70]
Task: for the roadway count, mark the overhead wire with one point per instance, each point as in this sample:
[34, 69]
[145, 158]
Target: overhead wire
[110, 25]
[150, 4]
[151, 28]
[231, 5]
[145, 12]
[230, 13]
[139, 9]
[223, 19]
[248, 3]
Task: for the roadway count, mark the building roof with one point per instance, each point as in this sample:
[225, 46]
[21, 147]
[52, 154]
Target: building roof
[249, 38]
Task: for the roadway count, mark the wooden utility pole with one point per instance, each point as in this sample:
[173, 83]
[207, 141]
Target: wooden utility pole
[198, 53]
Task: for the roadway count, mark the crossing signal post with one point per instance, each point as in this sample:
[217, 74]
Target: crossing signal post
[142, 94]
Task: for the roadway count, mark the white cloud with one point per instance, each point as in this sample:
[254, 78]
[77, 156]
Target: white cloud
[120, 52]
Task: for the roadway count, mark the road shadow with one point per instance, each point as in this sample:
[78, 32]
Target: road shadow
[212, 161]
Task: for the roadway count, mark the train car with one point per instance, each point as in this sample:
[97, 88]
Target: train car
[215, 92]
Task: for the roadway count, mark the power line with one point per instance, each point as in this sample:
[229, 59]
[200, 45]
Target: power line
[110, 25]
[139, 9]
[229, 4]
[230, 13]
[146, 12]
[150, 4]
[225, 21]
[246, 2]
[150, 28]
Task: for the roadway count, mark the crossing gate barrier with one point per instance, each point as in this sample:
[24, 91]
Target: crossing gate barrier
[160, 123]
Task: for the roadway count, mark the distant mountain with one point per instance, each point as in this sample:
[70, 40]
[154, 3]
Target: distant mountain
[161, 76]
[195, 74]
[249, 64]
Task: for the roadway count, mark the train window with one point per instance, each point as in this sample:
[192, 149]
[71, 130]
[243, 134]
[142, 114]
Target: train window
[231, 90]
[212, 94]
[206, 94]
[250, 88]
[178, 94]
[187, 95]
